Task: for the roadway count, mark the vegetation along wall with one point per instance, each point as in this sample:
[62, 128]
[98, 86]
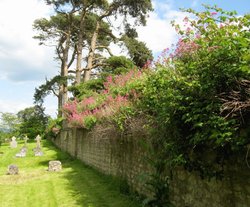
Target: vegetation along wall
[176, 130]
[124, 156]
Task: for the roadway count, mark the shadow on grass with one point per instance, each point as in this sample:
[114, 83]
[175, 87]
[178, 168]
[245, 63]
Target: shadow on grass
[90, 188]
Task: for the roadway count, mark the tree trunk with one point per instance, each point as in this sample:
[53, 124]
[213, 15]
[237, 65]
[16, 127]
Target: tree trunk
[63, 89]
[79, 49]
[91, 55]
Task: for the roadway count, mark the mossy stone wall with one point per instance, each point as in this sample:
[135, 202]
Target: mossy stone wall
[123, 155]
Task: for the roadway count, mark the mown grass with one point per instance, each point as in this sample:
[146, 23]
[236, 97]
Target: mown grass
[76, 185]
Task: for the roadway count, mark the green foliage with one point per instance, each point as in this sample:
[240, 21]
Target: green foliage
[116, 65]
[125, 113]
[158, 181]
[9, 124]
[200, 93]
[33, 121]
[89, 121]
[138, 51]
[53, 127]
[87, 89]
[50, 86]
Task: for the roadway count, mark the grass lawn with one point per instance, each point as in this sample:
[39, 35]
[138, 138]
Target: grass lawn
[76, 185]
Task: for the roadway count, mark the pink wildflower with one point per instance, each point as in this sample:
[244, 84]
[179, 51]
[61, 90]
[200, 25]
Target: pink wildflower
[213, 13]
[185, 19]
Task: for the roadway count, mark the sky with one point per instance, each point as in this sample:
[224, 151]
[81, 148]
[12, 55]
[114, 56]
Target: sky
[24, 65]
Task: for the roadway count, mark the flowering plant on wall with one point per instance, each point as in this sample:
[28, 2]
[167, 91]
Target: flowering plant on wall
[119, 93]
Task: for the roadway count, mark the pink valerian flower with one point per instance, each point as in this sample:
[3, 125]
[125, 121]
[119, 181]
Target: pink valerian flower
[105, 92]
[70, 107]
[221, 25]
[87, 102]
[197, 36]
[75, 120]
[121, 80]
[109, 107]
[185, 48]
[188, 30]
[147, 65]
[186, 20]
[213, 13]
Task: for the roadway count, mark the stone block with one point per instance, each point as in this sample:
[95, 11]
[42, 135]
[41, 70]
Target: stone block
[55, 166]
[12, 170]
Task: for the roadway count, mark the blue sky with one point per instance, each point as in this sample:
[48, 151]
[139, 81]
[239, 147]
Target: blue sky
[24, 65]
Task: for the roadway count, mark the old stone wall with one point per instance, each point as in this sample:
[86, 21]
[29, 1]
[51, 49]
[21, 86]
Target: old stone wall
[123, 156]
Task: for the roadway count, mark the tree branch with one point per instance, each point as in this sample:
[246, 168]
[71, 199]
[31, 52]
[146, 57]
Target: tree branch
[72, 57]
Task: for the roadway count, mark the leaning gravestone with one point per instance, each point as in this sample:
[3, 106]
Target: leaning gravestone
[12, 170]
[22, 152]
[13, 143]
[55, 166]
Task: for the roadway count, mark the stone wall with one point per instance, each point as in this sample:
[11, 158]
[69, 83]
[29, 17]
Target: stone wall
[123, 156]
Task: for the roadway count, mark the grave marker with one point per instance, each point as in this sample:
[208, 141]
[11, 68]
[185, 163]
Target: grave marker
[13, 143]
[12, 170]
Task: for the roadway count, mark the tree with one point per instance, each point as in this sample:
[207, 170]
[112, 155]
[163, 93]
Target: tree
[116, 65]
[138, 51]
[9, 122]
[136, 9]
[33, 121]
[58, 29]
[103, 10]
[85, 25]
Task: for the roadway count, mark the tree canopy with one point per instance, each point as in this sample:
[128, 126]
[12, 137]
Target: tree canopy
[81, 32]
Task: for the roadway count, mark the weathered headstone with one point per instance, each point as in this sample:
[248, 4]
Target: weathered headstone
[13, 143]
[38, 150]
[25, 140]
[12, 170]
[22, 152]
[38, 141]
[55, 166]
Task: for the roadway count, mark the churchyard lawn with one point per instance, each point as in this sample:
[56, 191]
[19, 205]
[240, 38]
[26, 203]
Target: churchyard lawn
[74, 186]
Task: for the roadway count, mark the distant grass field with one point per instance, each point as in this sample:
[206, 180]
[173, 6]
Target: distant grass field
[76, 185]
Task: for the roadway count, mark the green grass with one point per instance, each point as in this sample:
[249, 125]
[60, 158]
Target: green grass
[76, 185]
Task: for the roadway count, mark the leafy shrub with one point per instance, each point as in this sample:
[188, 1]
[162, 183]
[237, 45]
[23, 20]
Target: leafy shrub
[200, 94]
[54, 127]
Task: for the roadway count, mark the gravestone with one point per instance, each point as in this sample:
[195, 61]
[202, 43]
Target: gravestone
[55, 166]
[13, 143]
[38, 150]
[25, 140]
[38, 141]
[12, 170]
[22, 152]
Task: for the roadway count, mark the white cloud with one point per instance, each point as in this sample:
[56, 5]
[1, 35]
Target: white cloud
[159, 33]
[12, 107]
[23, 63]
[16, 43]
